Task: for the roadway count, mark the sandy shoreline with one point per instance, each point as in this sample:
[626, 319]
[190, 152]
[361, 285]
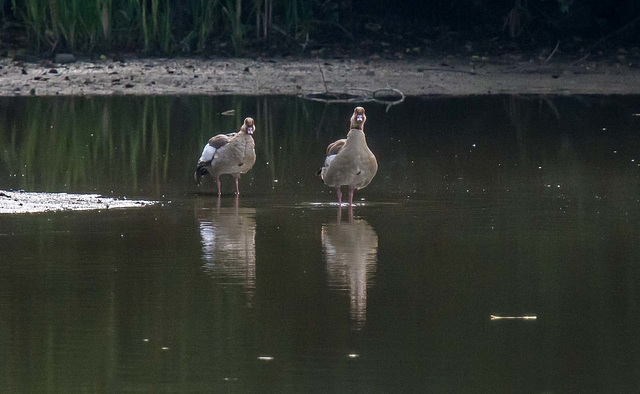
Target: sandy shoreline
[13, 202]
[300, 77]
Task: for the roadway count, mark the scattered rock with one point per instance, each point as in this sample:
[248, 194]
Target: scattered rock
[387, 95]
[64, 58]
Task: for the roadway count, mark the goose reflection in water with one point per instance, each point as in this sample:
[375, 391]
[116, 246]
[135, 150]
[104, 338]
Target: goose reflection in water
[351, 251]
[228, 237]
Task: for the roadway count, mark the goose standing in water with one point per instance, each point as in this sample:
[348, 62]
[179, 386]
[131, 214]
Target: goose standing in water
[232, 153]
[349, 161]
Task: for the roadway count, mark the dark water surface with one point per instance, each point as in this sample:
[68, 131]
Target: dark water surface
[482, 206]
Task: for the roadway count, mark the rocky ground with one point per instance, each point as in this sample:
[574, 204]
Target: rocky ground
[418, 76]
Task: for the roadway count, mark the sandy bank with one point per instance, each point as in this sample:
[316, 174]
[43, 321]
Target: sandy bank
[301, 77]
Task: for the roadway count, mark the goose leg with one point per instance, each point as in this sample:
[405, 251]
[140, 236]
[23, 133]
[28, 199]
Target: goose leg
[339, 195]
[351, 189]
[237, 187]
[218, 182]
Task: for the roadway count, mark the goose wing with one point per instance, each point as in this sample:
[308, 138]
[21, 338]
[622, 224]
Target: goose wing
[333, 149]
[216, 142]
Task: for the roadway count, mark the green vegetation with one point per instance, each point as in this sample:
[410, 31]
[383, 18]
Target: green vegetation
[242, 27]
[167, 27]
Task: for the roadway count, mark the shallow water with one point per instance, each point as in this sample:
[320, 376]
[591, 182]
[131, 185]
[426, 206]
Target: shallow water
[507, 206]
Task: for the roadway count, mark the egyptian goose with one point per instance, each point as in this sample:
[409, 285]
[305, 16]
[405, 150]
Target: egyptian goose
[349, 161]
[232, 153]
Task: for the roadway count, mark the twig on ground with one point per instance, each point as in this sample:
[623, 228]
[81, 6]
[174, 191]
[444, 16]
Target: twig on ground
[581, 59]
[552, 53]
[326, 89]
[304, 45]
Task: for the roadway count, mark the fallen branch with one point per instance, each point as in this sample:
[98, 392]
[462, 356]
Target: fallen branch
[396, 99]
[389, 96]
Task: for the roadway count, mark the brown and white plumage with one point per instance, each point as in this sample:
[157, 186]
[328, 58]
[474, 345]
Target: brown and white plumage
[349, 162]
[232, 153]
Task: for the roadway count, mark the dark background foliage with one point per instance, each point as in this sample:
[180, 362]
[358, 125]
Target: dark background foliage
[316, 27]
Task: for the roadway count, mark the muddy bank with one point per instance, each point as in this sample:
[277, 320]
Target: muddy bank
[25, 202]
[451, 76]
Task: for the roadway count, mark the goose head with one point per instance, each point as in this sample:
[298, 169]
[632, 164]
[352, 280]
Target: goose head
[248, 126]
[358, 118]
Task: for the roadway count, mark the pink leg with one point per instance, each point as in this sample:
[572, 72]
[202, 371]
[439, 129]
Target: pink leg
[237, 188]
[339, 195]
[218, 182]
[351, 195]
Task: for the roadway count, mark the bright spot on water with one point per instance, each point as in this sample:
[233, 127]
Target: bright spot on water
[265, 358]
[526, 317]
[354, 355]
[145, 340]
[165, 348]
